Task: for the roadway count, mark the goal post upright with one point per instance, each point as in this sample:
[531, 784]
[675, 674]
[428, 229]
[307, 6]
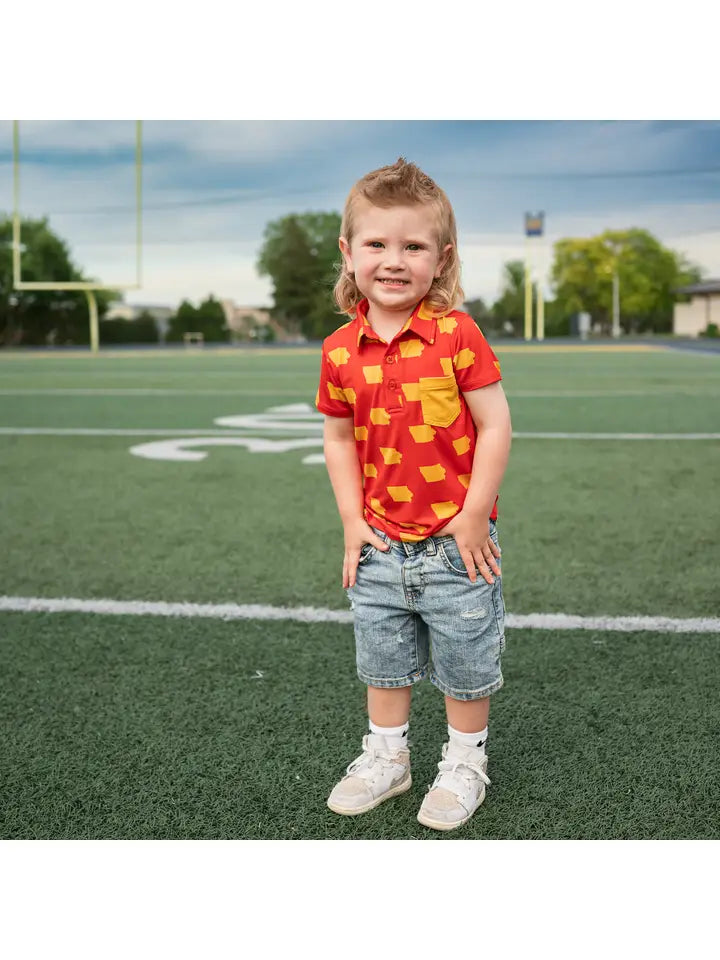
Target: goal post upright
[534, 227]
[89, 287]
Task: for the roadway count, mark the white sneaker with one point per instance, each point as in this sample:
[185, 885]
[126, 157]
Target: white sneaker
[459, 787]
[376, 775]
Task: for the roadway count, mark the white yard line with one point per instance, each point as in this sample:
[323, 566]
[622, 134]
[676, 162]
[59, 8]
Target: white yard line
[163, 392]
[115, 432]
[203, 432]
[234, 611]
[139, 392]
[616, 436]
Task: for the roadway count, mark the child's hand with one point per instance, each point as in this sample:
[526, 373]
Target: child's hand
[357, 534]
[476, 549]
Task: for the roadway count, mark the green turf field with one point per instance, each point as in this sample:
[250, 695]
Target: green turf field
[121, 726]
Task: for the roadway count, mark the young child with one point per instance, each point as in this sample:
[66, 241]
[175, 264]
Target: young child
[417, 436]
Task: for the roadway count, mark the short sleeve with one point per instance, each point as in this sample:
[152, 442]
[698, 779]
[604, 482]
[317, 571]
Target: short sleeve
[474, 360]
[330, 398]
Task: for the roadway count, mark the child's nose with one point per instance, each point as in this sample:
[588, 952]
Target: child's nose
[394, 259]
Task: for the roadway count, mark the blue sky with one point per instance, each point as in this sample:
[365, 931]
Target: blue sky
[210, 187]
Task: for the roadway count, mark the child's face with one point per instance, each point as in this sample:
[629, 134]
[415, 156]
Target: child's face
[394, 254]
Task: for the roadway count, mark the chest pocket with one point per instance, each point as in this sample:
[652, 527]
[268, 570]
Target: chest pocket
[440, 400]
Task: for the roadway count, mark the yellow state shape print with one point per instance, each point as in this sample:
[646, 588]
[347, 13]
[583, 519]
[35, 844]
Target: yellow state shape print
[425, 312]
[466, 358]
[410, 537]
[446, 324]
[317, 398]
[377, 507]
[411, 348]
[379, 416]
[433, 473]
[350, 395]
[361, 433]
[390, 455]
[422, 433]
[373, 374]
[416, 527]
[411, 391]
[462, 445]
[497, 365]
[335, 392]
[445, 509]
[464, 479]
[339, 356]
[447, 366]
[370, 470]
[400, 494]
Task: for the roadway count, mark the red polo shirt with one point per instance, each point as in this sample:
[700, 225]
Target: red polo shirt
[414, 433]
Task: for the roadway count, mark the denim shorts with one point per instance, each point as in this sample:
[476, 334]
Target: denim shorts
[418, 598]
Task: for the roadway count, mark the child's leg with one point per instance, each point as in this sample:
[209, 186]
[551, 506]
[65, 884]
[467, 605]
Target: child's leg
[468, 716]
[383, 769]
[459, 787]
[389, 706]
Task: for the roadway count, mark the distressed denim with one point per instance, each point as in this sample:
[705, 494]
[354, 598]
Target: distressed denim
[417, 599]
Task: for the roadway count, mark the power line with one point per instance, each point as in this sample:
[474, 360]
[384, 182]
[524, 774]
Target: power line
[250, 195]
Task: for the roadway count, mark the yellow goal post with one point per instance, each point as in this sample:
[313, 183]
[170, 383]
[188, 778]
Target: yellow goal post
[87, 286]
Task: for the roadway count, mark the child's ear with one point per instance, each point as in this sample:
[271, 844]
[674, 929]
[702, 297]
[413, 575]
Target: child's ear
[345, 250]
[444, 256]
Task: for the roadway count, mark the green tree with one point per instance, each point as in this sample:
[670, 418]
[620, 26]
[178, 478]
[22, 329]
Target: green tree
[30, 317]
[184, 320]
[141, 330]
[648, 274]
[300, 254]
[482, 315]
[509, 309]
[208, 318]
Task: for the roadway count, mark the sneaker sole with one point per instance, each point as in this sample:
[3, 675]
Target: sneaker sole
[427, 821]
[354, 811]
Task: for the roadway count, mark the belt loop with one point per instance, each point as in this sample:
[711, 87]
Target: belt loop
[431, 546]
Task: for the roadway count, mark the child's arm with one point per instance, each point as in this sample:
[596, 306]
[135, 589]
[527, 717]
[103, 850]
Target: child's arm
[491, 414]
[343, 468]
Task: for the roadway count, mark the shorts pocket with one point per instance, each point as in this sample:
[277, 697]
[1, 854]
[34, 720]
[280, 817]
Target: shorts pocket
[366, 553]
[440, 400]
[450, 555]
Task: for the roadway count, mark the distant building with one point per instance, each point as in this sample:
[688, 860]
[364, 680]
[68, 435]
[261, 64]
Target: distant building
[251, 323]
[692, 319]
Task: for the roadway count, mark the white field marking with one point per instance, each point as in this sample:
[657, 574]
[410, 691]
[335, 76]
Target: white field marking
[292, 416]
[112, 432]
[201, 433]
[179, 449]
[234, 611]
[616, 436]
[141, 392]
[521, 394]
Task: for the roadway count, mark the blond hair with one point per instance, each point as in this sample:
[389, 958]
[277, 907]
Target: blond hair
[403, 183]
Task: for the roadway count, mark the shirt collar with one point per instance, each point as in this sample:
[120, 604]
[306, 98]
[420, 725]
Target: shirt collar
[422, 322]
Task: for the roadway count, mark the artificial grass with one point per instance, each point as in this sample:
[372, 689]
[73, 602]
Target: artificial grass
[590, 527]
[149, 728]
[154, 728]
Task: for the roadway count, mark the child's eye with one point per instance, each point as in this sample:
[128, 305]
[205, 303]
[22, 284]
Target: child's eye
[414, 246]
[375, 243]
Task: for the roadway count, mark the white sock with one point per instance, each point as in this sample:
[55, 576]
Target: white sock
[478, 739]
[397, 737]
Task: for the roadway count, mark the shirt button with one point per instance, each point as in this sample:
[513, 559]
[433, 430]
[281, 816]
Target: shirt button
[390, 358]
[393, 384]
